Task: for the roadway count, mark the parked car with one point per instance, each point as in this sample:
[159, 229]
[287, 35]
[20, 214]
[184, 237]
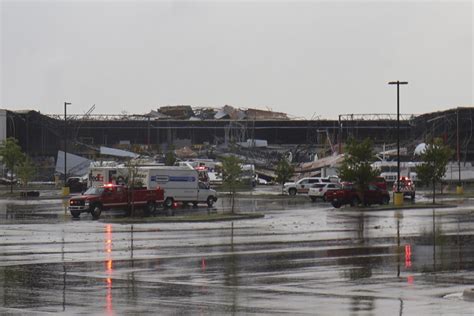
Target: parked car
[349, 195]
[303, 185]
[407, 187]
[318, 191]
[8, 181]
[76, 184]
[380, 182]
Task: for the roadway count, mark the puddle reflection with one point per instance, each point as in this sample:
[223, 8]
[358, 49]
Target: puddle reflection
[108, 269]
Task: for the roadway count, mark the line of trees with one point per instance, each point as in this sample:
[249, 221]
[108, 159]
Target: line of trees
[356, 166]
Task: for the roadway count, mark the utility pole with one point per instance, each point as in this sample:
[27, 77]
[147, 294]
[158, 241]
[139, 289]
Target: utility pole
[398, 83]
[65, 145]
[459, 189]
[340, 135]
[148, 133]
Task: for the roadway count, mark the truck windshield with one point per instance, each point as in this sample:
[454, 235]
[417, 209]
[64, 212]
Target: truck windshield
[94, 191]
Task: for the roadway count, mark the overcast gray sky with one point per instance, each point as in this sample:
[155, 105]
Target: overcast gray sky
[320, 58]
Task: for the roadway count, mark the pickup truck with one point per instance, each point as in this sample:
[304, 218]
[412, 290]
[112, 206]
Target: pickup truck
[349, 195]
[303, 185]
[112, 196]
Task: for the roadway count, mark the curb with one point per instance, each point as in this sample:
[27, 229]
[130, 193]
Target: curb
[171, 219]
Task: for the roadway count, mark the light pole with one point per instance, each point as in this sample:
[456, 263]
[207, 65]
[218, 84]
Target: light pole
[65, 142]
[459, 189]
[398, 83]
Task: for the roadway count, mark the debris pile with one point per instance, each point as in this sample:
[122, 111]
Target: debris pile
[227, 112]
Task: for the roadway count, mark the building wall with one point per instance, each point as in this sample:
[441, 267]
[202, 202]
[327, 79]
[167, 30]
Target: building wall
[42, 135]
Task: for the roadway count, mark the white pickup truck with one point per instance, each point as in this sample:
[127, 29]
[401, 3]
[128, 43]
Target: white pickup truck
[303, 185]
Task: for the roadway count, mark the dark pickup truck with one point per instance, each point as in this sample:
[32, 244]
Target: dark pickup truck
[349, 195]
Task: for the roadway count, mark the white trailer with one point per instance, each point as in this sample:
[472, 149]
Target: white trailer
[181, 184]
[102, 175]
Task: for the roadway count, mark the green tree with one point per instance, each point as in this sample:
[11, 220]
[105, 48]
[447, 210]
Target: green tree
[435, 160]
[170, 158]
[231, 172]
[356, 166]
[284, 172]
[11, 155]
[132, 181]
[26, 171]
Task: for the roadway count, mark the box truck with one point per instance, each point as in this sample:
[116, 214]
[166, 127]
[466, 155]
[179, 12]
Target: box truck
[181, 184]
[102, 175]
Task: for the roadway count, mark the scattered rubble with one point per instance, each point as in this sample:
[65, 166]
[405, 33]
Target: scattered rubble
[227, 112]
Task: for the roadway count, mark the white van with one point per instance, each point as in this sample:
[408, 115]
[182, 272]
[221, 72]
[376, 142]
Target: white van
[181, 184]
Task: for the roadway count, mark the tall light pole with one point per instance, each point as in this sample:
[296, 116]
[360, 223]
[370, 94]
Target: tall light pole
[457, 145]
[398, 83]
[65, 140]
[459, 189]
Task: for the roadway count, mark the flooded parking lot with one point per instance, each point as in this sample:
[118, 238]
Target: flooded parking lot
[301, 258]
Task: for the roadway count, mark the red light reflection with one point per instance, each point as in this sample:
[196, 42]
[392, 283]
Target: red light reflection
[203, 265]
[108, 269]
[410, 279]
[407, 256]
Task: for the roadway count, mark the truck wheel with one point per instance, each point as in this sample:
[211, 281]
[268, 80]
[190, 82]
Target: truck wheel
[210, 201]
[95, 211]
[292, 191]
[313, 198]
[355, 201]
[75, 213]
[168, 203]
[336, 204]
[150, 208]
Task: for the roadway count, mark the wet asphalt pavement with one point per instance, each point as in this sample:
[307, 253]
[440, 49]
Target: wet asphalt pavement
[301, 258]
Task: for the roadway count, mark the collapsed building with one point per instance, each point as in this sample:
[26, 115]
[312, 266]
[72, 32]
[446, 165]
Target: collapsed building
[230, 128]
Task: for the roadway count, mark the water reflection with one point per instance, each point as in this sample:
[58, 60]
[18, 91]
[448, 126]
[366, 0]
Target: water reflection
[361, 266]
[231, 272]
[362, 305]
[108, 269]
[29, 211]
[259, 204]
[398, 217]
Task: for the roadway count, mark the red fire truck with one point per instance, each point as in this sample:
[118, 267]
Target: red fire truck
[407, 187]
[112, 196]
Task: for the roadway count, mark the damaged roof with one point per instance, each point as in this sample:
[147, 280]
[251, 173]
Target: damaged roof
[227, 112]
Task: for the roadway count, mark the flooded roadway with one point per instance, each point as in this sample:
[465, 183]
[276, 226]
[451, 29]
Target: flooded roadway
[301, 258]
